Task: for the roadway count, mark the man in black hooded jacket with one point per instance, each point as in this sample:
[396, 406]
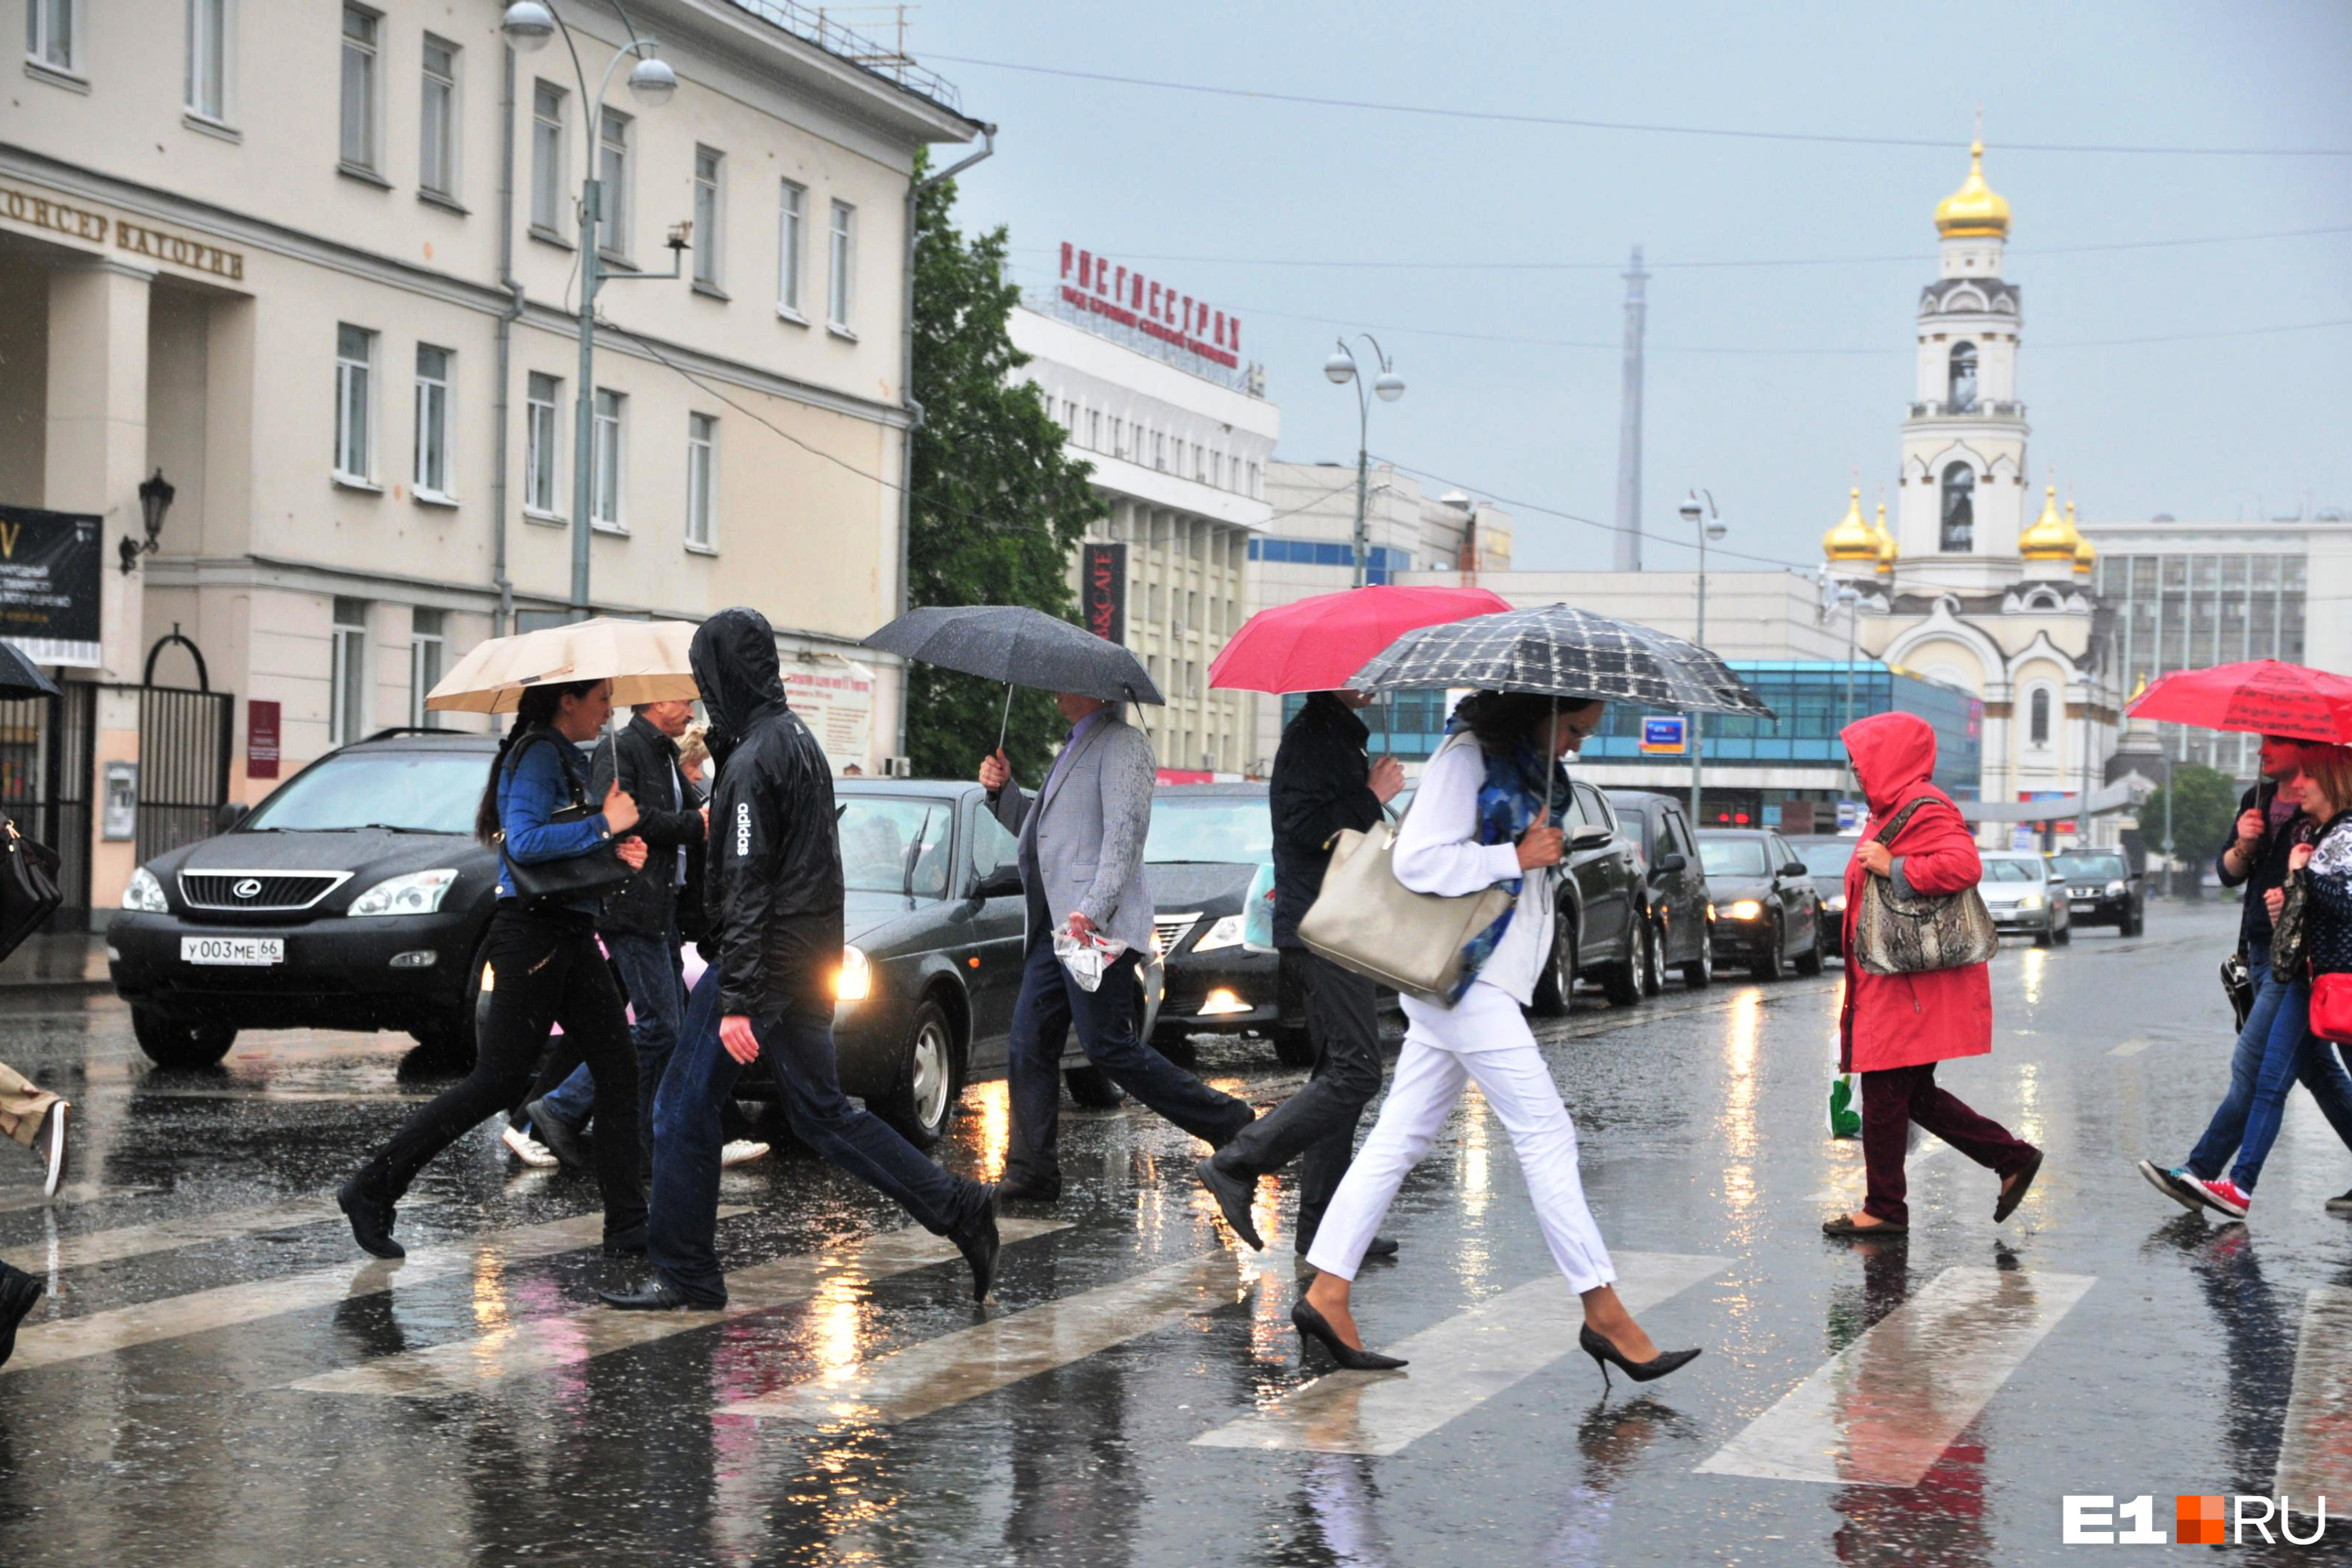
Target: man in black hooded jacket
[773, 899]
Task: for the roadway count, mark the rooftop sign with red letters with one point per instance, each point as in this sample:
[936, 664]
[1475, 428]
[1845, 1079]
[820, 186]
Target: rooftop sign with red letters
[1094, 283]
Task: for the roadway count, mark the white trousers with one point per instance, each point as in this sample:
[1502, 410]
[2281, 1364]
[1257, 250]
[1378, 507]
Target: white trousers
[1483, 1037]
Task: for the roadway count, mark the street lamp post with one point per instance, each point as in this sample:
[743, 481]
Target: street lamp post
[1340, 368]
[529, 25]
[1709, 522]
[1849, 599]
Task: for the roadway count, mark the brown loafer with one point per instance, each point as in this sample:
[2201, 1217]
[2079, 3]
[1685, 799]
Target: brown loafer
[1843, 1226]
[2012, 1192]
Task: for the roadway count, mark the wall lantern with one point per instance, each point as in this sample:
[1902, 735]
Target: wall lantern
[154, 501]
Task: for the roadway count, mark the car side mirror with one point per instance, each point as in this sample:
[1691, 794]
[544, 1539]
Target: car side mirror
[1793, 869]
[1671, 862]
[1590, 836]
[230, 815]
[1001, 883]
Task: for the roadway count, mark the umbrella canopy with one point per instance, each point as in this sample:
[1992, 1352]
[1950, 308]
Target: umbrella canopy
[20, 677]
[1562, 652]
[644, 660]
[1024, 646]
[2265, 697]
[1315, 645]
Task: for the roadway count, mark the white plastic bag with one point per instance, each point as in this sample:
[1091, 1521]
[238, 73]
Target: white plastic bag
[1086, 957]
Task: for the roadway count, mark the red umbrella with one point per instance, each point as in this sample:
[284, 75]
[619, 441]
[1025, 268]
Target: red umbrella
[1314, 645]
[2266, 696]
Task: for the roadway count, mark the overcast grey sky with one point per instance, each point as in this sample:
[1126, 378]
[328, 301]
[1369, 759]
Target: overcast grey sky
[2216, 427]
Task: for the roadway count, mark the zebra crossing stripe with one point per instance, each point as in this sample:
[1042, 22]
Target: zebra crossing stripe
[1456, 1365]
[1884, 1410]
[1005, 1350]
[59, 1254]
[567, 1339]
[2316, 1445]
[72, 1193]
[201, 1311]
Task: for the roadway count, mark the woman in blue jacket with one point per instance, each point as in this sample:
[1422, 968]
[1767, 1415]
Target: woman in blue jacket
[541, 967]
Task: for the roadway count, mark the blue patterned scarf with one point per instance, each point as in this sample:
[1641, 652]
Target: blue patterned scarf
[1509, 800]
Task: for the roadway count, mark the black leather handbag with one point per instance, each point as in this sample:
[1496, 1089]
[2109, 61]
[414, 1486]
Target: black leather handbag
[28, 887]
[576, 877]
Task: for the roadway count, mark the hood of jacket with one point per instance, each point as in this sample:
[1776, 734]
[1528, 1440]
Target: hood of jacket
[734, 661]
[1893, 757]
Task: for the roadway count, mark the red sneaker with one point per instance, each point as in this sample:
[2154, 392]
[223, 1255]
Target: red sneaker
[2222, 1196]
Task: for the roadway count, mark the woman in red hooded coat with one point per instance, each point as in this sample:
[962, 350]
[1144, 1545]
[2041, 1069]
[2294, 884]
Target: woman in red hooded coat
[1897, 1027]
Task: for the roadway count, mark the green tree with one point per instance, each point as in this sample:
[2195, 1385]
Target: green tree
[996, 505]
[2204, 804]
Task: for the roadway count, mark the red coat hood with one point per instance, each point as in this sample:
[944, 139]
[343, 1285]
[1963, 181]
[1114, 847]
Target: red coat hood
[1893, 758]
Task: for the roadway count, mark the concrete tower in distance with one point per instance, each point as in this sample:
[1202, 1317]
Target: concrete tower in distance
[1629, 434]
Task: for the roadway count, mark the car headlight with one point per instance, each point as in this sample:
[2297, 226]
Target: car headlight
[1745, 910]
[145, 894]
[1222, 1003]
[1226, 932]
[854, 980]
[1834, 903]
[417, 893]
[2114, 889]
[2030, 901]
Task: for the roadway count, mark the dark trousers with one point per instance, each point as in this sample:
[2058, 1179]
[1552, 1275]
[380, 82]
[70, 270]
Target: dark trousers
[1895, 1097]
[681, 1240]
[1318, 1125]
[651, 968]
[1050, 1001]
[544, 970]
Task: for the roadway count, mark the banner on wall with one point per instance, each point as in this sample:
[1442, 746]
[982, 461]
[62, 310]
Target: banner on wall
[834, 697]
[1102, 589]
[48, 585]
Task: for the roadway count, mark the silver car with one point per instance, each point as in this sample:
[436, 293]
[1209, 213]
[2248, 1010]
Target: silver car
[2020, 890]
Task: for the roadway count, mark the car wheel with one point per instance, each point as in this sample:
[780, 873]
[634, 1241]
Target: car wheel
[2131, 923]
[1293, 1047]
[1765, 966]
[178, 1043]
[1093, 1087]
[1809, 960]
[1177, 1046]
[1621, 982]
[2043, 938]
[924, 1102]
[1555, 987]
[1699, 972]
[2065, 937]
[1653, 961]
[449, 1046]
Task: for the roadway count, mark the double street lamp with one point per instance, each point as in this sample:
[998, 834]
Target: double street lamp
[1708, 523]
[1341, 369]
[528, 25]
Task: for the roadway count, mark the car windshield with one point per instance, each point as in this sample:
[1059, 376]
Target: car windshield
[414, 792]
[2089, 867]
[1732, 857]
[1827, 860]
[892, 844]
[1236, 830]
[2011, 870]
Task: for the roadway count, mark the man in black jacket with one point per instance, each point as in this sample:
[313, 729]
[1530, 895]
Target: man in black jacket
[639, 924]
[773, 899]
[1324, 782]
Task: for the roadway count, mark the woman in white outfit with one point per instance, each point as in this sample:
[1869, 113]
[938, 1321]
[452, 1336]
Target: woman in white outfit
[1483, 816]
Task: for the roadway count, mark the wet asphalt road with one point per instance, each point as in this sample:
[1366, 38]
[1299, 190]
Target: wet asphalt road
[219, 1377]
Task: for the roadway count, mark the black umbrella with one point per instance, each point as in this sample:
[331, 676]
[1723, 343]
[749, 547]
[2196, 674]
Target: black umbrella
[1562, 652]
[20, 677]
[1022, 646]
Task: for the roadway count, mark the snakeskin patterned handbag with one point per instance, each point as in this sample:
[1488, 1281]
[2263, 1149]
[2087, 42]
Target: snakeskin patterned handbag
[1899, 933]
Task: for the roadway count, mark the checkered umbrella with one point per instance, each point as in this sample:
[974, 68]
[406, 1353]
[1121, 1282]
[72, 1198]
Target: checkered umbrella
[1562, 652]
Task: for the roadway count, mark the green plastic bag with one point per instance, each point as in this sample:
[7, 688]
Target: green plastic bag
[1845, 1118]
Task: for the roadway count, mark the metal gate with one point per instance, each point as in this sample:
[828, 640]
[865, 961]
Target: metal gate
[183, 753]
[45, 784]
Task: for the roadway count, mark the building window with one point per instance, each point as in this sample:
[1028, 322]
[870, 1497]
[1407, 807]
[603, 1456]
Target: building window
[437, 125]
[1094, 429]
[355, 404]
[708, 196]
[208, 59]
[1962, 394]
[701, 474]
[1960, 509]
[1118, 436]
[613, 177]
[841, 257]
[607, 462]
[433, 424]
[547, 159]
[425, 643]
[53, 34]
[347, 674]
[789, 206]
[539, 426]
[2037, 720]
[359, 62]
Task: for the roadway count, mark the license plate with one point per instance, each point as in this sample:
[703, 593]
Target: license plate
[251, 952]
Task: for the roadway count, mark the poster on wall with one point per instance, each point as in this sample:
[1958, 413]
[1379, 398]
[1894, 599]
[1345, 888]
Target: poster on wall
[1102, 589]
[261, 739]
[48, 585]
[834, 697]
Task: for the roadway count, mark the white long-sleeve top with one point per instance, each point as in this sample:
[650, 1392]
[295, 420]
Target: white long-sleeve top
[1437, 851]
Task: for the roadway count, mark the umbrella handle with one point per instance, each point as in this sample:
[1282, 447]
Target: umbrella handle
[1005, 724]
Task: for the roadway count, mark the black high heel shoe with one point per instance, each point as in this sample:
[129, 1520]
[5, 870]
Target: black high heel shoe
[1602, 1353]
[1312, 1325]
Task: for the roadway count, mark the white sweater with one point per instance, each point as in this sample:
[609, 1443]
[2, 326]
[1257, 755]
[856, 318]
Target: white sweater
[1437, 851]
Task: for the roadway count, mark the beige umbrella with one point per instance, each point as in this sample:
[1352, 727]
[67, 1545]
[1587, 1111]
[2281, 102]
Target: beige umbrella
[644, 660]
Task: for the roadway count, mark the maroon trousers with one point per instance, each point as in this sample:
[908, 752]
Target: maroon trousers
[1897, 1097]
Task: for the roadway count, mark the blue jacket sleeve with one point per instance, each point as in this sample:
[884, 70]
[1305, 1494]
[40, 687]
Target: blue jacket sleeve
[537, 793]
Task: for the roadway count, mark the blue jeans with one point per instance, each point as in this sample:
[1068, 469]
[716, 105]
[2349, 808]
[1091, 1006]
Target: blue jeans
[649, 967]
[681, 1234]
[1050, 1001]
[2273, 1050]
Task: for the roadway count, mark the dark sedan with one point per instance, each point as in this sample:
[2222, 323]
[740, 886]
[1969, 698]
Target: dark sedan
[1826, 857]
[1767, 911]
[1675, 887]
[1206, 845]
[2101, 891]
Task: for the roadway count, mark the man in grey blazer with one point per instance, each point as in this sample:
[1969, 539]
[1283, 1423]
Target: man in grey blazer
[1082, 868]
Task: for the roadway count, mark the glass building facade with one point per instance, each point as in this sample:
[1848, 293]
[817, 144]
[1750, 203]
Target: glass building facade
[2185, 612]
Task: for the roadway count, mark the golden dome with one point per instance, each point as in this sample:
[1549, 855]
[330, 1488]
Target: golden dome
[2085, 557]
[2052, 537]
[1850, 541]
[1975, 208]
[1886, 550]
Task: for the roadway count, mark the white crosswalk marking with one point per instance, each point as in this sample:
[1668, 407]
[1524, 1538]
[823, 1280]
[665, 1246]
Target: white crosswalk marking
[176, 1317]
[2316, 1445]
[1458, 1364]
[72, 1193]
[1003, 1351]
[65, 1252]
[1882, 1412]
[565, 1338]
[2132, 1047]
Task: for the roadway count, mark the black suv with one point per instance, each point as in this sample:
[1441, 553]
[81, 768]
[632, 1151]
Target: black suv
[2101, 891]
[1676, 906]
